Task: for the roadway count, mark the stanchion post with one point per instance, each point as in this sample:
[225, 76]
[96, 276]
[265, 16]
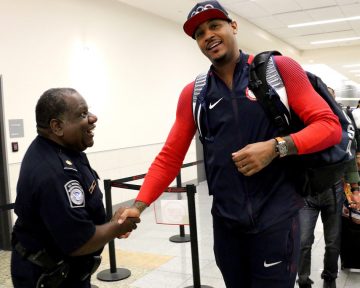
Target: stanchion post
[178, 184]
[190, 191]
[112, 274]
[181, 238]
[109, 212]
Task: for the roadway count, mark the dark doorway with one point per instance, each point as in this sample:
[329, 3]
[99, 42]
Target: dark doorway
[5, 216]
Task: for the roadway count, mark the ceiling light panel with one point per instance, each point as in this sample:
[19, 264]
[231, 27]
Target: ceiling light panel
[351, 65]
[337, 40]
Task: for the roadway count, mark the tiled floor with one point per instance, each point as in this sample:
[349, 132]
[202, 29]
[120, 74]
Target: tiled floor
[156, 262]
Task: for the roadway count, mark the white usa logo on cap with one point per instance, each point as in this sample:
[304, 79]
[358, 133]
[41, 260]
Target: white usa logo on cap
[201, 9]
[75, 194]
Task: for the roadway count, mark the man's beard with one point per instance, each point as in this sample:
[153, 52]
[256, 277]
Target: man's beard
[218, 60]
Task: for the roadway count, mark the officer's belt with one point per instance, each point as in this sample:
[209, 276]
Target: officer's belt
[45, 261]
[40, 258]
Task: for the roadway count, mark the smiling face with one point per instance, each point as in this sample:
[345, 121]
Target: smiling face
[75, 130]
[216, 40]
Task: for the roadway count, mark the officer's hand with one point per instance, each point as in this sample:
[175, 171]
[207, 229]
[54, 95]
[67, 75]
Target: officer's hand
[127, 226]
[254, 157]
[125, 214]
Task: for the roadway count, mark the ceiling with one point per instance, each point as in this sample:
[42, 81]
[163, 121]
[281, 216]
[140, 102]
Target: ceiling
[274, 16]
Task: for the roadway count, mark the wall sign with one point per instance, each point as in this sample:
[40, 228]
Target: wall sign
[16, 128]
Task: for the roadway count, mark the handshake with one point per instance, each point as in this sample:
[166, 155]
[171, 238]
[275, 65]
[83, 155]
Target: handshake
[126, 217]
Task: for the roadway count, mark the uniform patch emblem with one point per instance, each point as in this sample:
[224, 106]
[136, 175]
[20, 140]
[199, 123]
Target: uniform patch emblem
[250, 95]
[75, 194]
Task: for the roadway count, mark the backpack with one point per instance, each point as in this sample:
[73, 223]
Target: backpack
[316, 172]
[351, 113]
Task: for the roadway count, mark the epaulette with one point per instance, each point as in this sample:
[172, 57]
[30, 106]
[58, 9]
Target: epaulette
[67, 162]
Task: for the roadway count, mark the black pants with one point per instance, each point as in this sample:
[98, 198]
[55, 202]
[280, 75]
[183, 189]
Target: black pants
[25, 274]
[329, 205]
[267, 259]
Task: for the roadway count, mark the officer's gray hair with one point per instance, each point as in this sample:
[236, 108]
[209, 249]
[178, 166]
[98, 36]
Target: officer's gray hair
[51, 105]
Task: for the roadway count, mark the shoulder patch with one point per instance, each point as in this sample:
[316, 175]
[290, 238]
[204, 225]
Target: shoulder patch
[75, 194]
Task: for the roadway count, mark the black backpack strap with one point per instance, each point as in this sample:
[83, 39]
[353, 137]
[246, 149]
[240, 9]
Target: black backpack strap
[200, 85]
[265, 93]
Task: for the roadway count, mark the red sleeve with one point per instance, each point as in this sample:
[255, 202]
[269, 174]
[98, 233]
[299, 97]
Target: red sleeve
[322, 125]
[168, 162]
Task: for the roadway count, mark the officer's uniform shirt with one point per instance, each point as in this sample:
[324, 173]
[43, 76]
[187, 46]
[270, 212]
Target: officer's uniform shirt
[58, 199]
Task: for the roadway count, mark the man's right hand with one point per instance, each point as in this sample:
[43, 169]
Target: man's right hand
[124, 212]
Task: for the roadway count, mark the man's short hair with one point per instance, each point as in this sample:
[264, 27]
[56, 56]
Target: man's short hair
[51, 105]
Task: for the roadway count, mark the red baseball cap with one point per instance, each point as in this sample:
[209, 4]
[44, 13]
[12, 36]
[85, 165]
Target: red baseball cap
[202, 12]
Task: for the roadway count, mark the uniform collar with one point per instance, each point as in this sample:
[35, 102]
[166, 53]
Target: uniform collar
[58, 148]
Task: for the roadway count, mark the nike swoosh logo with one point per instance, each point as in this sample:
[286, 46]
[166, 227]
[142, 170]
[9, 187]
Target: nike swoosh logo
[266, 265]
[212, 105]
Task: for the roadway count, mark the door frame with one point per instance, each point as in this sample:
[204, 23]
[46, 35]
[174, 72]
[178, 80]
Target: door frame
[5, 216]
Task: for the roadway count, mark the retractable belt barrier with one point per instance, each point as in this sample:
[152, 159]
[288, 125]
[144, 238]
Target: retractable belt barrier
[7, 207]
[114, 273]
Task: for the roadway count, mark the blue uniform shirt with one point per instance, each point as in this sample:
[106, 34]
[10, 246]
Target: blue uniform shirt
[58, 199]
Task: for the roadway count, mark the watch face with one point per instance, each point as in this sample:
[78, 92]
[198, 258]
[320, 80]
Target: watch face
[282, 148]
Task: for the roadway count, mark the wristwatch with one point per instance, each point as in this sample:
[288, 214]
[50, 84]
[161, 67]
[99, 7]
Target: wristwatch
[281, 147]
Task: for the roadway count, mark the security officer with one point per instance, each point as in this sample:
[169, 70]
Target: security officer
[61, 228]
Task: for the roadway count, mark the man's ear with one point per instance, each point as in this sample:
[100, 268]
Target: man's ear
[56, 126]
[234, 26]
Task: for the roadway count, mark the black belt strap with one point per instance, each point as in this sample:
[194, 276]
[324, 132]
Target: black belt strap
[52, 267]
[40, 258]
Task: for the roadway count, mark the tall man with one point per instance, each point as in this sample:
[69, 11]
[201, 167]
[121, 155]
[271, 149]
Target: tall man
[61, 229]
[255, 205]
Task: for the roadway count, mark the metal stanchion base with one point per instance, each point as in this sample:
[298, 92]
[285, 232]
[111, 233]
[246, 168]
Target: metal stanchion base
[202, 286]
[180, 239]
[107, 275]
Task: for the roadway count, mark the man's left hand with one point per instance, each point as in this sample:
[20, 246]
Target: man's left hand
[254, 157]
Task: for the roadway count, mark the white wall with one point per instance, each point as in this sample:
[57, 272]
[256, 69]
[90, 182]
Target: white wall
[116, 56]
[129, 65]
[120, 59]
